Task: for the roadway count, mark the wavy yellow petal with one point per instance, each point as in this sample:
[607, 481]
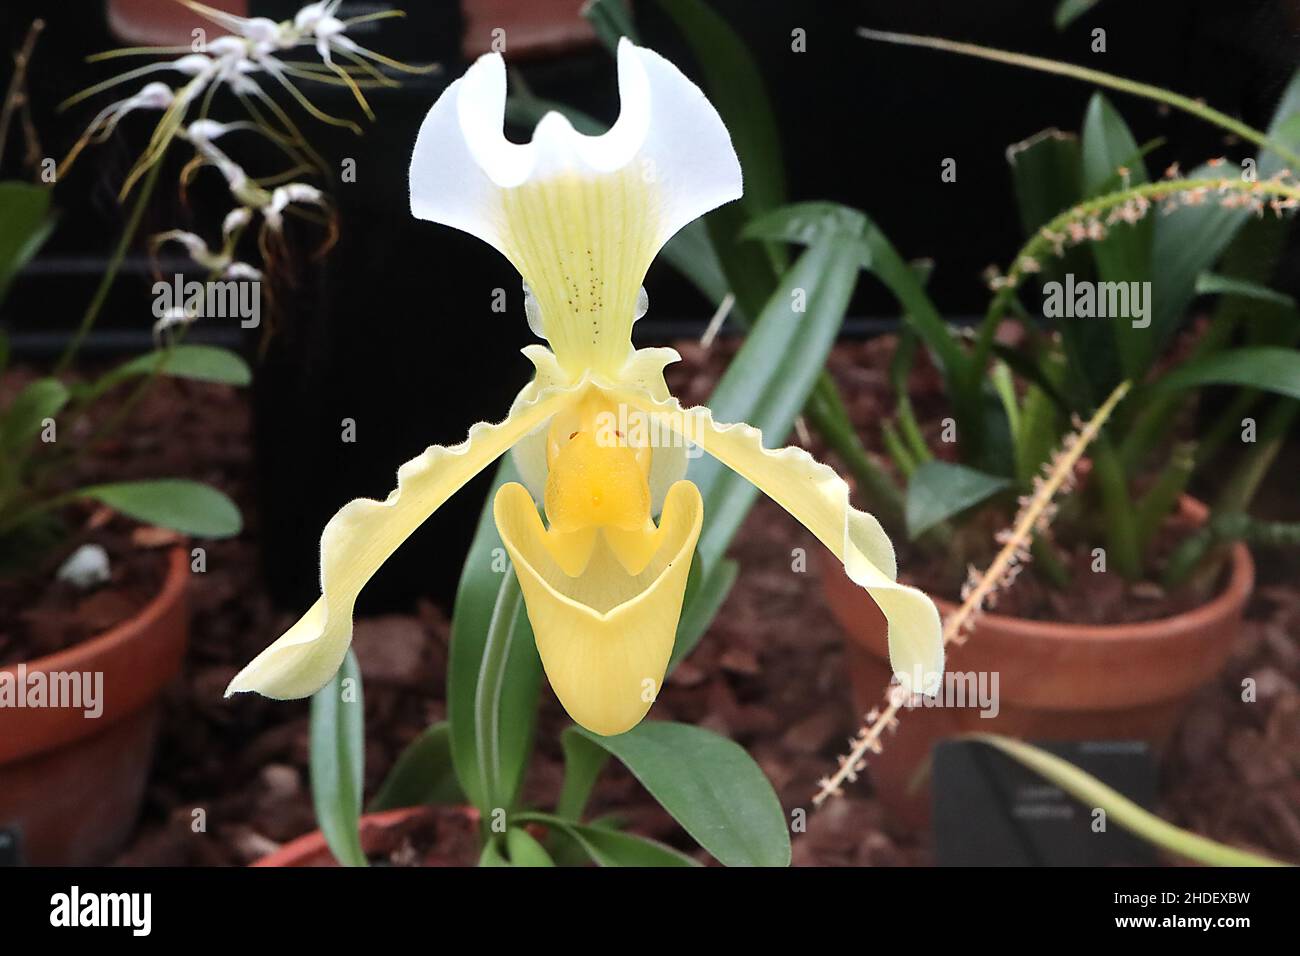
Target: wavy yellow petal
[819, 499]
[605, 636]
[365, 532]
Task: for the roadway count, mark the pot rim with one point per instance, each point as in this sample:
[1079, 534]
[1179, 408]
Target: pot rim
[74, 658]
[137, 657]
[1241, 581]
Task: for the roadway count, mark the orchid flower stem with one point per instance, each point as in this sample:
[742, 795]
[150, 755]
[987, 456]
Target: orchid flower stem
[15, 92]
[1108, 80]
[114, 266]
[957, 626]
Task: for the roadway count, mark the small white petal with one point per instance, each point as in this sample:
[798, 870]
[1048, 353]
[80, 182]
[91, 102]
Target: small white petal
[236, 219]
[227, 46]
[195, 64]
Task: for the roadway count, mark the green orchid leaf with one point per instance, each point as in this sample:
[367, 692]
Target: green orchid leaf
[1067, 11]
[1209, 283]
[525, 109]
[518, 685]
[25, 417]
[338, 761]
[1283, 129]
[422, 775]
[691, 252]
[1125, 254]
[524, 850]
[492, 856]
[702, 606]
[583, 761]
[769, 380]
[611, 19]
[1091, 792]
[807, 223]
[710, 786]
[606, 847]
[938, 490]
[1035, 370]
[1047, 173]
[1270, 368]
[203, 363]
[1189, 241]
[25, 224]
[736, 88]
[189, 507]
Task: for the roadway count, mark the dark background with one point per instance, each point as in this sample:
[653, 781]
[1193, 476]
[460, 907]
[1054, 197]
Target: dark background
[394, 327]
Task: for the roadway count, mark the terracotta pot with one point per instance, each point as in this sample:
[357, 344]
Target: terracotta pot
[1055, 681]
[70, 784]
[376, 830]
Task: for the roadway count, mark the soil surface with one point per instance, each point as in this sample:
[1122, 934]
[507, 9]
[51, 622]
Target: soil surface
[770, 674]
[41, 614]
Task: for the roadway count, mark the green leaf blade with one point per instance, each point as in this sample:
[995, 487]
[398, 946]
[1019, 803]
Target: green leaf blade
[422, 775]
[939, 489]
[710, 786]
[202, 363]
[338, 761]
[189, 507]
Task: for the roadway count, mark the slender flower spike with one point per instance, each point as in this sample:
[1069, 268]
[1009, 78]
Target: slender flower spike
[597, 438]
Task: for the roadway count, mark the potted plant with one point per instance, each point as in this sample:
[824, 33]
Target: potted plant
[1015, 395]
[79, 702]
[1135, 591]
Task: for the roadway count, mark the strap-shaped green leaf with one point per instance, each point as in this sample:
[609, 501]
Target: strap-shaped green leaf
[607, 847]
[190, 507]
[1093, 793]
[769, 380]
[939, 489]
[482, 578]
[338, 753]
[710, 786]
[25, 224]
[203, 363]
[1270, 368]
[423, 774]
[22, 421]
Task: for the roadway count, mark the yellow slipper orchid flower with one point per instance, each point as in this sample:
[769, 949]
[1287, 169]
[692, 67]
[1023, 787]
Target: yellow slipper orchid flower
[597, 438]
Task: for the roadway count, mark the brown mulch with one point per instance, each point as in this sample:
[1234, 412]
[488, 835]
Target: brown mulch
[770, 674]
